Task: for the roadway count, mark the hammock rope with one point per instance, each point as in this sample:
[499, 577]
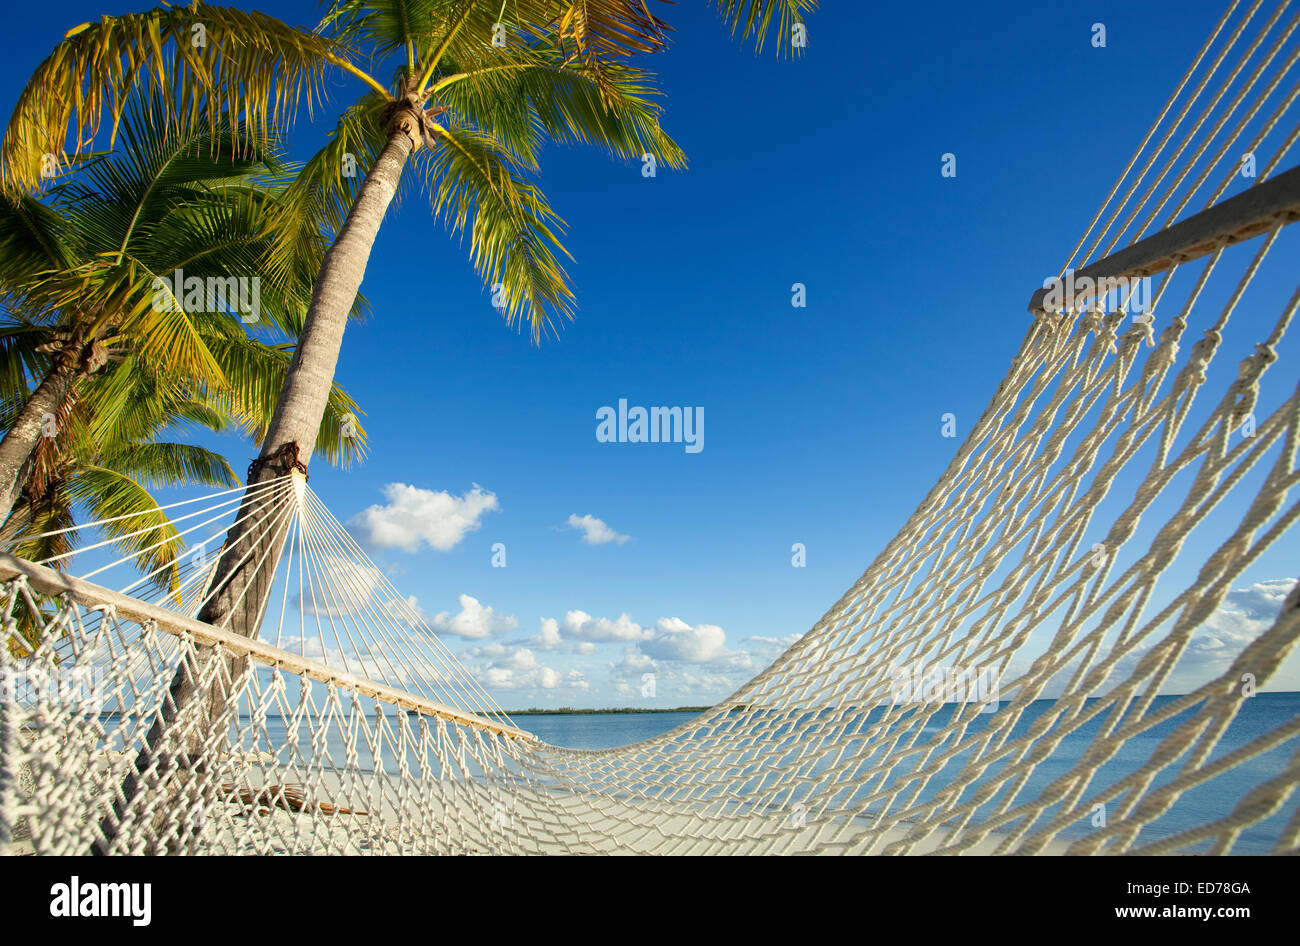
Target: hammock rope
[1120, 485]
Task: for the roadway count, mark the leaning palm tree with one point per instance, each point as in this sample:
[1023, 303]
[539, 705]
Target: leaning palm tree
[104, 453]
[502, 78]
[501, 85]
[109, 465]
[84, 267]
[108, 458]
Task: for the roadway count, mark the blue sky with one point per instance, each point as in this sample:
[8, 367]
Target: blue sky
[821, 423]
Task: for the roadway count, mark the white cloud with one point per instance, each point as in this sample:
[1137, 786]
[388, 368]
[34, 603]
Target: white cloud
[415, 517]
[473, 621]
[512, 668]
[674, 639]
[579, 625]
[550, 638]
[669, 639]
[338, 587]
[1244, 614]
[634, 663]
[505, 656]
[594, 530]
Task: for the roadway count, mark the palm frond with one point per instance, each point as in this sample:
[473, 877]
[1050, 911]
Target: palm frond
[754, 19]
[250, 63]
[385, 26]
[49, 529]
[155, 465]
[608, 28]
[20, 361]
[132, 519]
[536, 93]
[33, 239]
[514, 233]
[255, 372]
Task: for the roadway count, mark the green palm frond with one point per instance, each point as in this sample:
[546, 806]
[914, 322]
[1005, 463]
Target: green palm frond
[230, 236]
[33, 239]
[19, 362]
[156, 465]
[160, 166]
[50, 526]
[250, 63]
[179, 200]
[608, 28]
[754, 19]
[160, 334]
[514, 233]
[429, 33]
[132, 519]
[536, 94]
[387, 26]
[199, 412]
[256, 372]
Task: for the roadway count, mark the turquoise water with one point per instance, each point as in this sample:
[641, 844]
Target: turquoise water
[1206, 802]
[600, 730]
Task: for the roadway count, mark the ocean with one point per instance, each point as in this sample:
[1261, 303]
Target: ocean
[1207, 802]
[1203, 803]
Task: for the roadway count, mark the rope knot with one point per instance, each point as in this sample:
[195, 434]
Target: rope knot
[1264, 355]
[286, 458]
[1108, 328]
[1091, 320]
[1054, 324]
[1143, 328]
[1202, 354]
[1246, 387]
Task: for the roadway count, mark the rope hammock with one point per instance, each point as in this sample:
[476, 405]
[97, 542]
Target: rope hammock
[1119, 484]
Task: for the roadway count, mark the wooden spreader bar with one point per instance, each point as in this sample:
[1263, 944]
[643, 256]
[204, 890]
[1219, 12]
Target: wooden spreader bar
[1248, 214]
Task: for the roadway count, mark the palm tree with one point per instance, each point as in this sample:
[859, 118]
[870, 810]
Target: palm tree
[105, 455]
[554, 69]
[172, 199]
[79, 271]
[109, 462]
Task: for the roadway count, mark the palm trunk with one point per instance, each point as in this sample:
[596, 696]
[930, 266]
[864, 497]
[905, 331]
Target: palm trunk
[20, 442]
[306, 389]
[242, 581]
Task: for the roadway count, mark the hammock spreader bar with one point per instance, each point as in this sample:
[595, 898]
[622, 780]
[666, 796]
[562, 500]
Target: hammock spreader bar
[1269, 203]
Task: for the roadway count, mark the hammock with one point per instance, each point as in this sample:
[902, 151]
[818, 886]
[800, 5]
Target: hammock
[1124, 477]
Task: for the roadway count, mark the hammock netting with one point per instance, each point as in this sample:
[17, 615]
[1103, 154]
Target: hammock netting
[1129, 472]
